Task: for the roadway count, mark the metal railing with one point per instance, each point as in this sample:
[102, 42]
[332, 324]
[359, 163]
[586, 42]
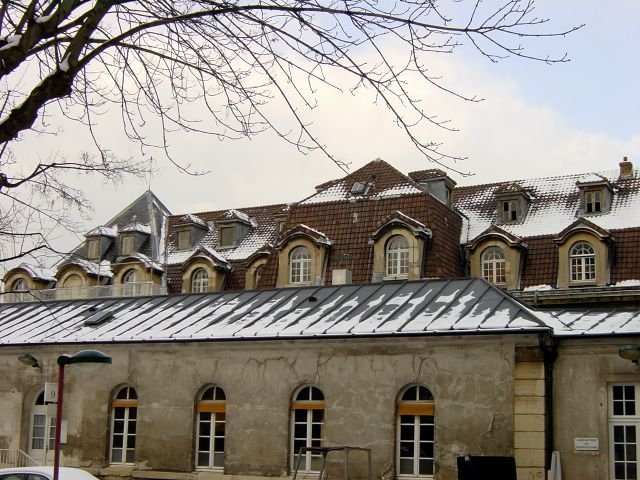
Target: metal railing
[15, 458]
[135, 289]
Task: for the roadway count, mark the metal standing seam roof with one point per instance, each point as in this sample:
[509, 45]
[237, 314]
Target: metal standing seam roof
[381, 309]
[595, 322]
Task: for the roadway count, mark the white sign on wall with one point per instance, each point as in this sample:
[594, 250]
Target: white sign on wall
[50, 393]
[586, 444]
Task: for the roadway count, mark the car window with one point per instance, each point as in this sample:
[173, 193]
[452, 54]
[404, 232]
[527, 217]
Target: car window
[35, 476]
[13, 476]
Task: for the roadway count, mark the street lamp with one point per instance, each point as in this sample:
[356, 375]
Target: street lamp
[85, 360]
[30, 360]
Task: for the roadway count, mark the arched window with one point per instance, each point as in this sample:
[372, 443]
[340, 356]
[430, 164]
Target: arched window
[415, 440]
[19, 285]
[71, 287]
[397, 256]
[211, 408]
[72, 281]
[124, 414]
[130, 283]
[300, 265]
[19, 289]
[307, 420]
[258, 276]
[199, 281]
[582, 261]
[494, 266]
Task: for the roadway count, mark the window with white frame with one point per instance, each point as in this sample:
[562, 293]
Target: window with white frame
[210, 429]
[130, 284]
[494, 266]
[624, 434]
[307, 421]
[582, 262]
[415, 440]
[397, 257]
[124, 416]
[300, 265]
[200, 280]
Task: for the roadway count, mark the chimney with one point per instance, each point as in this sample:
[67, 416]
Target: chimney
[626, 169]
[341, 277]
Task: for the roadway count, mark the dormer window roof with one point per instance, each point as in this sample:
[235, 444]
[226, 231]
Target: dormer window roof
[512, 203]
[232, 227]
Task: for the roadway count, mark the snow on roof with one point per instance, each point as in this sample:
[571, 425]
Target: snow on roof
[384, 309]
[555, 205]
[104, 231]
[191, 218]
[146, 261]
[396, 191]
[39, 273]
[137, 227]
[583, 322]
[102, 269]
[233, 213]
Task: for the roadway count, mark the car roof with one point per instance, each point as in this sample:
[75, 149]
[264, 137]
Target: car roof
[66, 473]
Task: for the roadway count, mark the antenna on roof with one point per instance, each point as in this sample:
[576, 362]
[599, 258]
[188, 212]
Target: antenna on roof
[150, 167]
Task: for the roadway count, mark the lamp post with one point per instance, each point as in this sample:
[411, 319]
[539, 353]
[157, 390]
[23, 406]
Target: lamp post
[86, 360]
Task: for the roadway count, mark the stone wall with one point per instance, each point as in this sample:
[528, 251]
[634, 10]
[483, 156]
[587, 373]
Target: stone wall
[471, 378]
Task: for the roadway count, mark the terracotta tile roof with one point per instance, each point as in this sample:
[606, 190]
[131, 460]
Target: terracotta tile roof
[263, 233]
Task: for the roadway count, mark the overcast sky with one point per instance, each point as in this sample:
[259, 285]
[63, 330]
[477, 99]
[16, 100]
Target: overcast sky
[535, 120]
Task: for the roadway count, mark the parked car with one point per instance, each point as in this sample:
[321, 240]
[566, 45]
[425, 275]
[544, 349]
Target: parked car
[44, 473]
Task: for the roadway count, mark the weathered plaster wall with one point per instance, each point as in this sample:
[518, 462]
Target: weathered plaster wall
[471, 379]
[583, 372]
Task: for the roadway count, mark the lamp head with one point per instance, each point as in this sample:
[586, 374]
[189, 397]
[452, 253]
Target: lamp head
[630, 352]
[30, 360]
[85, 359]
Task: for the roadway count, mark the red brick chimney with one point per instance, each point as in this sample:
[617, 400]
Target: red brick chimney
[626, 168]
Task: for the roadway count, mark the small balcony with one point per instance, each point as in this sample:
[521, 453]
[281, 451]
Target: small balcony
[134, 289]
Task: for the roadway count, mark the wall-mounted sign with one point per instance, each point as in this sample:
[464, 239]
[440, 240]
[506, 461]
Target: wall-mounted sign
[586, 444]
[50, 393]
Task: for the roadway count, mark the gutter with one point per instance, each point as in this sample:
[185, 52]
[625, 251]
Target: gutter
[549, 346]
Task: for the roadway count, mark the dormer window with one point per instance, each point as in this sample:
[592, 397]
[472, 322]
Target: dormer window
[596, 194]
[593, 201]
[513, 203]
[279, 225]
[227, 236]
[510, 209]
[93, 248]
[128, 244]
[184, 239]
[359, 188]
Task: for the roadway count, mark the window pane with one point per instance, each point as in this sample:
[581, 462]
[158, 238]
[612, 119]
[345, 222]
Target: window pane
[205, 428]
[116, 455]
[218, 445]
[203, 459]
[300, 430]
[426, 467]
[218, 459]
[204, 443]
[118, 441]
[131, 441]
[406, 432]
[317, 415]
[130, 456]
[406, 466]
[219, 428]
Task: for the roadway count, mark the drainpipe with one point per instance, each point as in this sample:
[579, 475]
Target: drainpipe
[549, 347]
